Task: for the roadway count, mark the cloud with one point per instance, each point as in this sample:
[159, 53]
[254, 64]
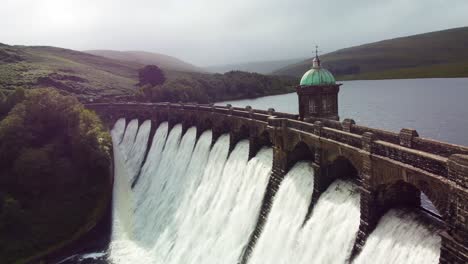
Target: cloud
[207, 32]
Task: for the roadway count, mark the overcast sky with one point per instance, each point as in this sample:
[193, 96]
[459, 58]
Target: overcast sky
[210, 32]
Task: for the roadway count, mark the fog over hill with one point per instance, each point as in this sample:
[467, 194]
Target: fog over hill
[144, 57]
[263, 67]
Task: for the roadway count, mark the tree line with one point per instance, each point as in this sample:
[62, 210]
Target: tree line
[205, 88]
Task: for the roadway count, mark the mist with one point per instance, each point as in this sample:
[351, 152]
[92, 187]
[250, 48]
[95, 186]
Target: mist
[212, 32]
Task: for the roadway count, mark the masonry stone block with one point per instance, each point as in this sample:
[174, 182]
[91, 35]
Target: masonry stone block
[406, 137]
[347, 124]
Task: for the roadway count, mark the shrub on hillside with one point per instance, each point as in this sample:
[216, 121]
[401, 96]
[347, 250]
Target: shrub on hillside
[8, 102]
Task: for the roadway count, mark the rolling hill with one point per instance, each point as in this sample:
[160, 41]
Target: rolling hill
[82, 74]
[435, 54]
[262, 67]
[92, 77]
[142, 57]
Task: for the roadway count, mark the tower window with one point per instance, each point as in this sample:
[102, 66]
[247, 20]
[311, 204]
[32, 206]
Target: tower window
[312, 106]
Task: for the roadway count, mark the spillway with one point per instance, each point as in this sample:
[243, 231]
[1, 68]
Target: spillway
[411, 241]
[194, 202]
[191, 204]
[333, 224]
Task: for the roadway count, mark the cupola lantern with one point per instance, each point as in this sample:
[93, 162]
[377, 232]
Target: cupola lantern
[318, 93]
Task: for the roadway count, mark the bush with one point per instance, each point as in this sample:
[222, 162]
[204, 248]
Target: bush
[8, 102]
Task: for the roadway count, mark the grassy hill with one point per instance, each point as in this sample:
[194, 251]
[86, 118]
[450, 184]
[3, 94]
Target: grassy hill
[88, 76]
[143, 57]
[436, 54]
[76, 72]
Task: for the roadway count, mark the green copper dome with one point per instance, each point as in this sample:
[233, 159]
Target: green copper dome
[317, 76]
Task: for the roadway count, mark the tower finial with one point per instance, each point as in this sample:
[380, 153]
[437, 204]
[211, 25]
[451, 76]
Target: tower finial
[316, 60]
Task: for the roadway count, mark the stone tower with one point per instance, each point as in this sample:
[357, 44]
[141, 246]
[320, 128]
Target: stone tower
[318, 93]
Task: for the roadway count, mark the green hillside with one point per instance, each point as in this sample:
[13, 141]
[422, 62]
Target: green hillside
[75, 72]
[436, 54]
[91, 77]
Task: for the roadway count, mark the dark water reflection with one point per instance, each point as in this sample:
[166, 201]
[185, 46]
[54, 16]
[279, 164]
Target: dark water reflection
[436, 108]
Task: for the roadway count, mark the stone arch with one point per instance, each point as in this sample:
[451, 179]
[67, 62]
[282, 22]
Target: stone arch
[404, 193]
[162, 116]
[237, 132]
[243, 131]
[202, 125]
[351, 156]
[218, 128]
[396, 194]
[300, 151]
[256, 142]
[174, 119]
[341, 167]
[221, 126]
[187, 122]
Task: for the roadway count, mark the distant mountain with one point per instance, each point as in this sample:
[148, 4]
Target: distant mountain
[435, 54]
[142, 57]
[263, 67]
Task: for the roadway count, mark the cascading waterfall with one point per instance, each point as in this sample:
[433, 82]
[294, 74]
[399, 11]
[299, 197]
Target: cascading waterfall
[329, 234]
[196, 203]
[152, 161]
[136, 154]
[156, 209]
[286, 216]
[191, 204]
[129, 138]
[223, 211]
[118, 131]
[327, 237]
[411, 241]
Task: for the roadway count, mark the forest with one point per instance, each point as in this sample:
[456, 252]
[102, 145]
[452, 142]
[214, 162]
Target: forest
[206, 88]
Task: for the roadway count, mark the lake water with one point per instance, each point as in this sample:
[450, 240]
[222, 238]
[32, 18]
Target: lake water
[436, 108]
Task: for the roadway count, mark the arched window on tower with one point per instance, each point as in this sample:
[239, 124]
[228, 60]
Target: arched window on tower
[312, 106]
[327, 103]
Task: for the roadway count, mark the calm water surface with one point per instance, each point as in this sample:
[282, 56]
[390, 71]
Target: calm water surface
[436, 108]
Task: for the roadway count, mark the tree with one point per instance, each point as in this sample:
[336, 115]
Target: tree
[45, 133]
[151, 74]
